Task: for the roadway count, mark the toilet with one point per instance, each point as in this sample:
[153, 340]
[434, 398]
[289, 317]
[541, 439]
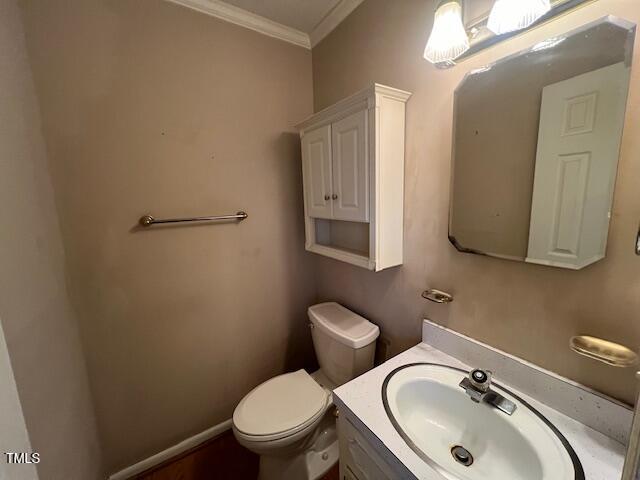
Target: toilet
[289, 420]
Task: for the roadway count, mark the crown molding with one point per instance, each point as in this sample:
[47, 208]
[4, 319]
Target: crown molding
[260, 24]
[341, 11]
[243, 18]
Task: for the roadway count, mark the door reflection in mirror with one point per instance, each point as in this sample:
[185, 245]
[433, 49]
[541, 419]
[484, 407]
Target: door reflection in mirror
[536, 147]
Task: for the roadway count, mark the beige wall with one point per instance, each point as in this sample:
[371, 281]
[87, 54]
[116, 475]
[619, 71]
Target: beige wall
[149, 107]
[39, 324]
[528, 310]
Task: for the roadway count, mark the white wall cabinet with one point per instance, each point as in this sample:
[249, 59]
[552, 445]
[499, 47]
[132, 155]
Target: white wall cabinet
[353, 173]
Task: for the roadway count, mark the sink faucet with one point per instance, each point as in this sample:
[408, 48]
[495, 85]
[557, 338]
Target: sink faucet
[478, 387]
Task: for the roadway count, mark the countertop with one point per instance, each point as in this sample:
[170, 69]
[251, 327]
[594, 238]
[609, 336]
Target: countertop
[602, 457]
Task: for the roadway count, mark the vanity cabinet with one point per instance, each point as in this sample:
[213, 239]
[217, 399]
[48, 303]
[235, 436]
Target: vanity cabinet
[358, 458]
[353, 176]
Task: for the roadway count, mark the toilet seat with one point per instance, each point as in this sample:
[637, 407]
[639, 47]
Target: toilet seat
[280, 407]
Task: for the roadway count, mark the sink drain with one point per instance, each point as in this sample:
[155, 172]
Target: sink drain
[462, 455]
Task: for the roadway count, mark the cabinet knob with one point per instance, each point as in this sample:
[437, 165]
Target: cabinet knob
[327, 197]
[334, 196]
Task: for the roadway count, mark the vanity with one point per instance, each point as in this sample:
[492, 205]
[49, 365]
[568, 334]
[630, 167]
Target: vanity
[406, 418]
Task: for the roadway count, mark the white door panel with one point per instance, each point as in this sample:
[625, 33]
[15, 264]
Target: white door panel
[316, 161]
[581, 122]
[350, 168]
[571, 190]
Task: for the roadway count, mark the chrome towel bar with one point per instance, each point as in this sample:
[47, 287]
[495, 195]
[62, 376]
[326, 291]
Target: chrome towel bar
[149, 220]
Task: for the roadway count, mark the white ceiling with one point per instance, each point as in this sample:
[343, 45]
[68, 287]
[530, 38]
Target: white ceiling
[303, 15]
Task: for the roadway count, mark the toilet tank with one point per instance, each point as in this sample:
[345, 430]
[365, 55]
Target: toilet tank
[345, 342]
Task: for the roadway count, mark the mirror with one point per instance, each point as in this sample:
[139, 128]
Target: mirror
[536, 146]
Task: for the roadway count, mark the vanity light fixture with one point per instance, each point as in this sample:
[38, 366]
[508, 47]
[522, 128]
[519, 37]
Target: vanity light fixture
[454, 37]
[448, 39]
[511, 15]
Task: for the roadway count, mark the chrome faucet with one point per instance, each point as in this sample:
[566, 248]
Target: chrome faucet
[478, 387]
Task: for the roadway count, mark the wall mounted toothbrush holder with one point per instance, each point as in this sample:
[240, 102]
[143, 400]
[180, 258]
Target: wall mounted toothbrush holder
[437, 296]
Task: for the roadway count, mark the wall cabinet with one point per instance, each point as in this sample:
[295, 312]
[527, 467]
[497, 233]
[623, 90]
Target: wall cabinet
[353, 173]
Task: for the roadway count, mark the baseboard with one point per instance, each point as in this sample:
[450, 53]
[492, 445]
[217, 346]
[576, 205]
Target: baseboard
[171, 452]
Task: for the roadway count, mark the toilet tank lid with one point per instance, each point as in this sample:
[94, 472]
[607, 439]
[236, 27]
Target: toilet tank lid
[343, 325]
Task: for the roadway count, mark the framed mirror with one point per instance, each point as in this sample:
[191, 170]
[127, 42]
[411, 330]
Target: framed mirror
[536, 145]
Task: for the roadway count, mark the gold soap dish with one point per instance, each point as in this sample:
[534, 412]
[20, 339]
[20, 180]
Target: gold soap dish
[610, 353]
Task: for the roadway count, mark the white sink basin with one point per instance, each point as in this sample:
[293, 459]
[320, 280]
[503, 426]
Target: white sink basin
[434, 416]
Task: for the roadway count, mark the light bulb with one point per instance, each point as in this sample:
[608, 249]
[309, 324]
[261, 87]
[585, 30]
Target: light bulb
[448, 39]
[510, 15]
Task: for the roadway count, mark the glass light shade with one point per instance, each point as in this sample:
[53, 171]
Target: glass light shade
[510, 15]
[448, 38]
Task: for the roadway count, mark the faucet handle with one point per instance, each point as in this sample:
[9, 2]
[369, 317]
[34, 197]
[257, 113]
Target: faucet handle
[480, 379]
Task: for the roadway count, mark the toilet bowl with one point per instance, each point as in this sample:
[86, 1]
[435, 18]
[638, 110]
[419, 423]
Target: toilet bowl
[289, 420]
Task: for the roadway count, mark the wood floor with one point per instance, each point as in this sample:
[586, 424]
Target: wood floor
[219, 459]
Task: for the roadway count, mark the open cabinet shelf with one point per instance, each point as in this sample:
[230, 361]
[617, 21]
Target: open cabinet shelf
[345, 241]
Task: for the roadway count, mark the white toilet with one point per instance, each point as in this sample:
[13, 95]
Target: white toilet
[289, 420]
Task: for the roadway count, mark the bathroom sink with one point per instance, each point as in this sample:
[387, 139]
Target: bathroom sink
[465, 440]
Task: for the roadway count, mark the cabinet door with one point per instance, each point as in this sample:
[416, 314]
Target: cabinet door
[351, 168]
[349, 475]
[581, 122]
[358, 458]
[316, 169]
